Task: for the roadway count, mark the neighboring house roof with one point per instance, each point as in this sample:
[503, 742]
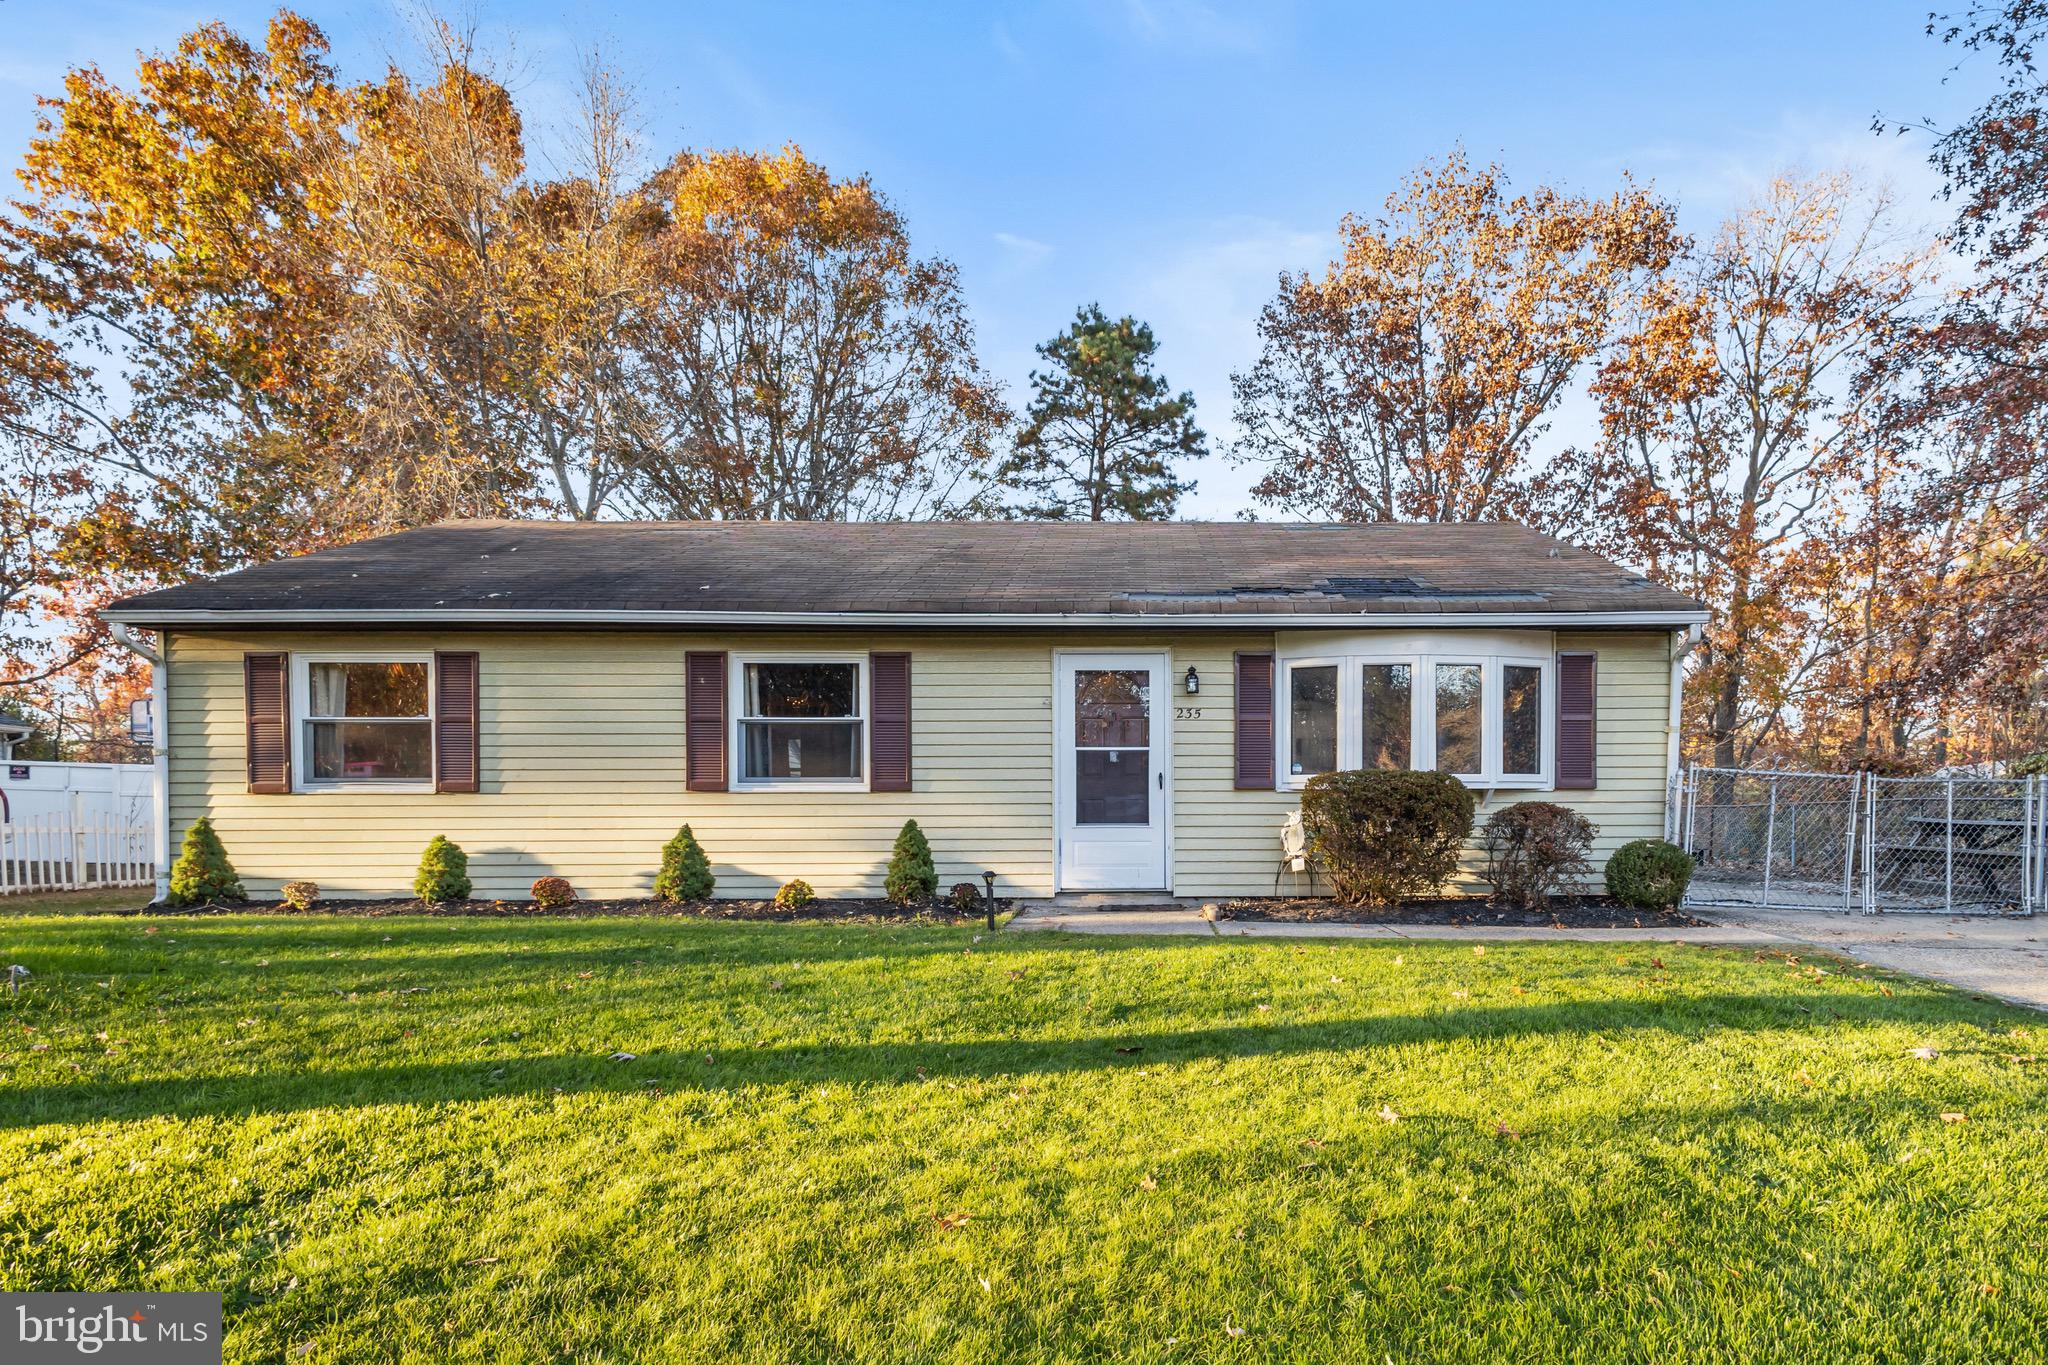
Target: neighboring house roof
[15, 729]
[1196, 573]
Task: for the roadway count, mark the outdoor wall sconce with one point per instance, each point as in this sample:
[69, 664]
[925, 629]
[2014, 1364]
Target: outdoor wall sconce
[1193, 681]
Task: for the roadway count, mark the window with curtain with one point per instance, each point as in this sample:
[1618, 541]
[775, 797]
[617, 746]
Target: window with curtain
[800, 721]
[368, 721]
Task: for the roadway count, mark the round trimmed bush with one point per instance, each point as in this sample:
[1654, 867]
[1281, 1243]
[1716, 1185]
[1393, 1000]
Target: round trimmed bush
[1384, 836]
[552, 893]
[299, 895]
[794, 894]
[1649, 874]
[965, 896]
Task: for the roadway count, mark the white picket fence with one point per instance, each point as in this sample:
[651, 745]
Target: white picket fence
[58, 853]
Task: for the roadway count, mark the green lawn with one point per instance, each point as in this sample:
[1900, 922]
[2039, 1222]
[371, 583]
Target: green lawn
[393, 1139]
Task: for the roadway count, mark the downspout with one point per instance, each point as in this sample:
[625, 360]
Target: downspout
[160, 753]
[1691, 636]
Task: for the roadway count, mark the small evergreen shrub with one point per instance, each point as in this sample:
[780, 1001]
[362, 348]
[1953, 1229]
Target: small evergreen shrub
[685, 871]
[912, 877]
[1535, 849]
[202, 874]
[552, 893]
[1649, 874]
[1382, 836]
[794, 894]
[965, 897]
[299, 895]
[443, 874]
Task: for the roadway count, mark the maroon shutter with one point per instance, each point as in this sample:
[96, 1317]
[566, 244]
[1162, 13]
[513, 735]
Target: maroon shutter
[267, 711]
[704, 720]
[1578, 747]
[457, 765]
[1254, 721]
[889, 698]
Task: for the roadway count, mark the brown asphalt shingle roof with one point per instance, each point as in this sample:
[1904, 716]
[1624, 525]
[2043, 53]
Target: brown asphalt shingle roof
[575, 570]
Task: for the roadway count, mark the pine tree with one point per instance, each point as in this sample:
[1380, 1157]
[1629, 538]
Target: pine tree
[203, 872]
[912, 877]
[444, 872]
[1104, 428]
[685, 871]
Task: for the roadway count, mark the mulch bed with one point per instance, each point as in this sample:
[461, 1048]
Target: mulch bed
[817, 912]
[1565, 912]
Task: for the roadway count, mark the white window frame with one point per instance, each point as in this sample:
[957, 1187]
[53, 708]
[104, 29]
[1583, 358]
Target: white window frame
[1422, 654]
[1348, 739]
[302, 718]
[736, 698]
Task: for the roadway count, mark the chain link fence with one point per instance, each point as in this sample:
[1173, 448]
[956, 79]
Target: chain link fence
[1855, 842]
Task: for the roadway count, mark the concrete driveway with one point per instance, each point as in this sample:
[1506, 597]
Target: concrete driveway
[1996, 956]
[2005, 958]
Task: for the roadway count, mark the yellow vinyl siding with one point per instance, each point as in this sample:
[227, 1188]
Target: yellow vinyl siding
[582, 766]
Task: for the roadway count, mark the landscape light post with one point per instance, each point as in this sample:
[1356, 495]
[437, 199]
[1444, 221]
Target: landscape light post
[989, 880]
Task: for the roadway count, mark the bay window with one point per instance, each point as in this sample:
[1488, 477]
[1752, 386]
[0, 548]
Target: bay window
[800, 722]
[1479, 708]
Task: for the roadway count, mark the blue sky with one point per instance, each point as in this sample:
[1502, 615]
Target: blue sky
[1167, 158]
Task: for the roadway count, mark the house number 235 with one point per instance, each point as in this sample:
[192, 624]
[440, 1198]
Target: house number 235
[1187, 713]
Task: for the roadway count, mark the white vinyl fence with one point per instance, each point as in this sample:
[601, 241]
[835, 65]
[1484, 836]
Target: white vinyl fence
[1952, 844]
[58, 853]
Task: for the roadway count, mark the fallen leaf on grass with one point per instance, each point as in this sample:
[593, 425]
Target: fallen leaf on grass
[1658, 963]
[950, 1222]
[625, 1056]
[1461, 995]
[1388, 1113]
[1232, 1332]
[1311, 1142]
[1148, 1183]
[483, 1260]
[1925, 1054]
[1953, 1117]
[1479, 950]
[1135, 1047]
[1510, 1134]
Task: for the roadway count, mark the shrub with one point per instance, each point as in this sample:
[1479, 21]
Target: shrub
[443, 874]
[965, 897]
[685, 872]
[552, 893]
[1536, 848]
[1381, 836]
[794, 894]
[1649, 874]
[202, 872]
[299, 895]
[912, 878]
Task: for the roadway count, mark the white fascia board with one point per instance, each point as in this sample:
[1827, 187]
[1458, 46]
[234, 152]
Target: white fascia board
[472, 616]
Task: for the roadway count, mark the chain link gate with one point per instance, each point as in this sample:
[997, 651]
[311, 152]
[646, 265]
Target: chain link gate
[1853, 841]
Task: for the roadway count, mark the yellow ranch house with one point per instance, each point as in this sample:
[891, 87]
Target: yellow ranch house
[1077, 707]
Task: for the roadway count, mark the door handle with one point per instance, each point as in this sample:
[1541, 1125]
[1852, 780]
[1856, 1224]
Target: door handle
[1162, 781]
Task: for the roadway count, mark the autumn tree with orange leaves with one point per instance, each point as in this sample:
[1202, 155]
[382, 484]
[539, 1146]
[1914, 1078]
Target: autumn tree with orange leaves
[1415, 377]
[1734, 420]
[248, 308]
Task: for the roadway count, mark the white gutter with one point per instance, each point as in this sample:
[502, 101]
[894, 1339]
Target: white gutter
[1691, 637]
[160, 753]
[570, 618]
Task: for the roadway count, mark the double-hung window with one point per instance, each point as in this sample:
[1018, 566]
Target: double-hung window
[1480, 710]
[800, 721]
[364, 720]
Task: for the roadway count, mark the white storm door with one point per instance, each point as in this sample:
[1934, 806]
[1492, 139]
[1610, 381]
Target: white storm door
[1109, 726]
